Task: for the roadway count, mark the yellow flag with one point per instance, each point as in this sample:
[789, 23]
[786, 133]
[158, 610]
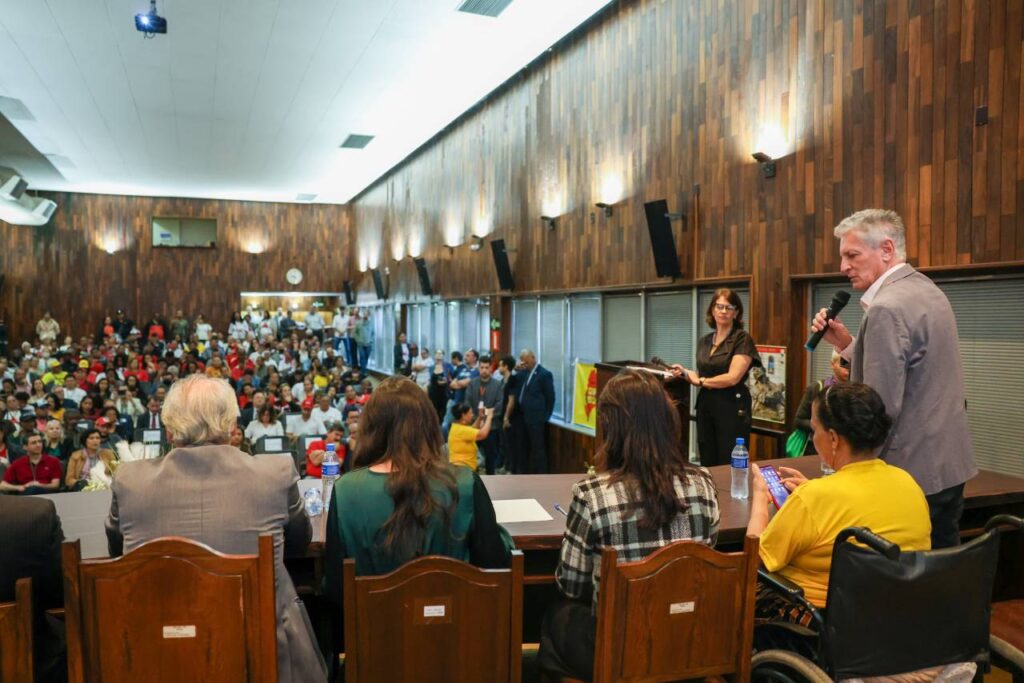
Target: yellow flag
[584, 411]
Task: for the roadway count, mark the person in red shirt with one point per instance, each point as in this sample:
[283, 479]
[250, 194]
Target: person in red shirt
[36, 472]
[318, 449]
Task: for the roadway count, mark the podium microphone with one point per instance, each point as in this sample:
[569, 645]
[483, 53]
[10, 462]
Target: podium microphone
[839, 302]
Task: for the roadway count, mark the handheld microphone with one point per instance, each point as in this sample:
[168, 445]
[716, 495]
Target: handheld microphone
[839, 302]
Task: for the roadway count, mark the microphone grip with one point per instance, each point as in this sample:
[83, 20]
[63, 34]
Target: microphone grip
[815, 338]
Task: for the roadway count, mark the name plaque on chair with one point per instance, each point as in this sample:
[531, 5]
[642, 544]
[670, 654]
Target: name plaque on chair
[151, 436]
[180, 631]
[681, 607]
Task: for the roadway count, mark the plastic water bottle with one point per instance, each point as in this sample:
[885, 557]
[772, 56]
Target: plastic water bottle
[330, 470]
[740, 468]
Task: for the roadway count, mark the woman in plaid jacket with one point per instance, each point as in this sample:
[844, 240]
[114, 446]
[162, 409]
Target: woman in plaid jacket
[644, 496]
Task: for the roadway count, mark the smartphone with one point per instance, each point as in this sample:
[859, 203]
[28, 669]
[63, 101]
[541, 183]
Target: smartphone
[776, 488]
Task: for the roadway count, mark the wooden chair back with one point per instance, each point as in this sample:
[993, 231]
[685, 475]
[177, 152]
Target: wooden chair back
[171, 610]
[16, 663]
[434, 620]
[686, 611]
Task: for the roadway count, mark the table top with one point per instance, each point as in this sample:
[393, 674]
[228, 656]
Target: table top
[83, 514]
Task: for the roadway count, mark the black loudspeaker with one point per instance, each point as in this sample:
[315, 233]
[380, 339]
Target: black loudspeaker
[421, 270]
[378, 284]
[505, 279]
[663, 244]
[350, 296]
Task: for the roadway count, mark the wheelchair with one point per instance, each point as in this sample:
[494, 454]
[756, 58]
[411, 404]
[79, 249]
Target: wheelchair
[889, 612]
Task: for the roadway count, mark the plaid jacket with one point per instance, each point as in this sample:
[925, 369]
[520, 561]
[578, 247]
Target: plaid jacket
[600, 515]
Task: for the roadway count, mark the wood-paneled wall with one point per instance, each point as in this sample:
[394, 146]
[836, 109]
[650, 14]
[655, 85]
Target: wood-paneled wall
[875, 100]
[65, 267]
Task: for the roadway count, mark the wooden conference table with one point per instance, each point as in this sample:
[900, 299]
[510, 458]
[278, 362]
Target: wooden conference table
[83, 514]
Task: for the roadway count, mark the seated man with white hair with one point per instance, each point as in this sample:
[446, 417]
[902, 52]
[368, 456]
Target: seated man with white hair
[211, 492]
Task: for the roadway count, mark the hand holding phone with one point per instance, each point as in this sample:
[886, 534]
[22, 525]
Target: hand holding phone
[776, 489]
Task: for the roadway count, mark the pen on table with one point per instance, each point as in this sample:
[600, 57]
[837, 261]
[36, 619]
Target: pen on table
[561, 509]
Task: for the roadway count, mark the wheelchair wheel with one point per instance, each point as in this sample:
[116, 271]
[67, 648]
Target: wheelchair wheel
[779, 666]
[1007, 657]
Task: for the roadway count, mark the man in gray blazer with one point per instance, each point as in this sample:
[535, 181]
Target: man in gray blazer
[908, 351]
[211, 492]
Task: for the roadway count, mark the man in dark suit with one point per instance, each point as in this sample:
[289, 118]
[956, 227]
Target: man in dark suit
[151, 419]
[403, 356]
[535, 403]
[30, 537]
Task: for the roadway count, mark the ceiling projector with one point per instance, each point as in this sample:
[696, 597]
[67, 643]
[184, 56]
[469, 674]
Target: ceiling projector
[150, 23]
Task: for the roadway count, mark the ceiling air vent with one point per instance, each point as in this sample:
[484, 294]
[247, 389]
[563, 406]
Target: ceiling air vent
[485, 8]
[356, 141]
[305, 197]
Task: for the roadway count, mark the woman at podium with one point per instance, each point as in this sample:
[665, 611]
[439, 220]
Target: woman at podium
[724, 358]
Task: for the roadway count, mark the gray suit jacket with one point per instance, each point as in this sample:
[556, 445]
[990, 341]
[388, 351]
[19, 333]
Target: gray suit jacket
[222, 497]
[909, 352]
[494, 396]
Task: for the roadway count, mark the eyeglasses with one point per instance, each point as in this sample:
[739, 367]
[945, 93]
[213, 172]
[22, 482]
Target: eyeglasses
[724, 307]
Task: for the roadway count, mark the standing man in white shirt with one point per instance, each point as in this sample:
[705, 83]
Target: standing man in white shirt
[315, 324]
[907, 349]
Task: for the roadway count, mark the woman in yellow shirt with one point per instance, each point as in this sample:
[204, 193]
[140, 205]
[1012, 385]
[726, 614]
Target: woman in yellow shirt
[464, 434]
[849, 426]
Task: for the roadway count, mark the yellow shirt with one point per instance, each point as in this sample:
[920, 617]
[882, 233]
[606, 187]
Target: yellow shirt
[798, 540]
[462, 445]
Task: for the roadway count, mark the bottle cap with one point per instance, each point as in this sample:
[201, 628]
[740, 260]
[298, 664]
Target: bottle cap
[332, 447]
[740, 441]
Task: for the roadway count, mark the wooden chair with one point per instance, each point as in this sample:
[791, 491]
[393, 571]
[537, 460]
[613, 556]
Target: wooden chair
[16, 661]
[686, 611]
[434, 619]
[171, 610]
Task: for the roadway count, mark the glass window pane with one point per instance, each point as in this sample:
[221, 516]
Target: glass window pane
[524, 325]
[552, 346]
[669, 322]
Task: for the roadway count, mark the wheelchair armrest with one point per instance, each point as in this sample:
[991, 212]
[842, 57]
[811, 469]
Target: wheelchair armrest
[871, 540]
[781, 585]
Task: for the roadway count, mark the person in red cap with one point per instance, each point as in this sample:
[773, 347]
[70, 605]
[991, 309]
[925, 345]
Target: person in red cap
[306, 424]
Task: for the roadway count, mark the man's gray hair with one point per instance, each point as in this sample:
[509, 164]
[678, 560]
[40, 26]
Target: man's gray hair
[875, 226]
[200, 410]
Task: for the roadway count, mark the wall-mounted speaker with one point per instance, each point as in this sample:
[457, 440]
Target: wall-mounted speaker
[421, 270]
[350, 296]
[663, 243]
[378, 284]
[501, 265]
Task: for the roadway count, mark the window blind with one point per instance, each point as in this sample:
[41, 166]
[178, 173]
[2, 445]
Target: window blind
[669, 328]
[992, 348]
[552, 346]
[524, 325]
[621, 328]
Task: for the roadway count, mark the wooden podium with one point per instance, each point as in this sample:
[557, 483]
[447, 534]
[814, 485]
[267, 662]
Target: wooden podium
[678, 390]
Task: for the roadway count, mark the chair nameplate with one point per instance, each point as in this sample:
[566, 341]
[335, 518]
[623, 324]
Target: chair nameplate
[180, 631]
[681, 607]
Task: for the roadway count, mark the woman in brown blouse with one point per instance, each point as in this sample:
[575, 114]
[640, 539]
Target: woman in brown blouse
[724, 358]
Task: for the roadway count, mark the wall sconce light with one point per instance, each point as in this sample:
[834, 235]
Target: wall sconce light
[478, 243]
[606, 208]
[451, 248]
[767, 164]
[548, 221]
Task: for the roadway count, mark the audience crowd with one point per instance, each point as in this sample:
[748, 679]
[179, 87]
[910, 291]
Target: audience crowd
[411, 449]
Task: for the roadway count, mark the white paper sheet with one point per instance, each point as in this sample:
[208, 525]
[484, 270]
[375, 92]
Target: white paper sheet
[151, 436]
[273, 445]
[520, 510]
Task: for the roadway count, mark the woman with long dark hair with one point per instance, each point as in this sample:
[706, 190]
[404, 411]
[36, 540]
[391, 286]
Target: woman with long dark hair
[410, 501]
[644, 496]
